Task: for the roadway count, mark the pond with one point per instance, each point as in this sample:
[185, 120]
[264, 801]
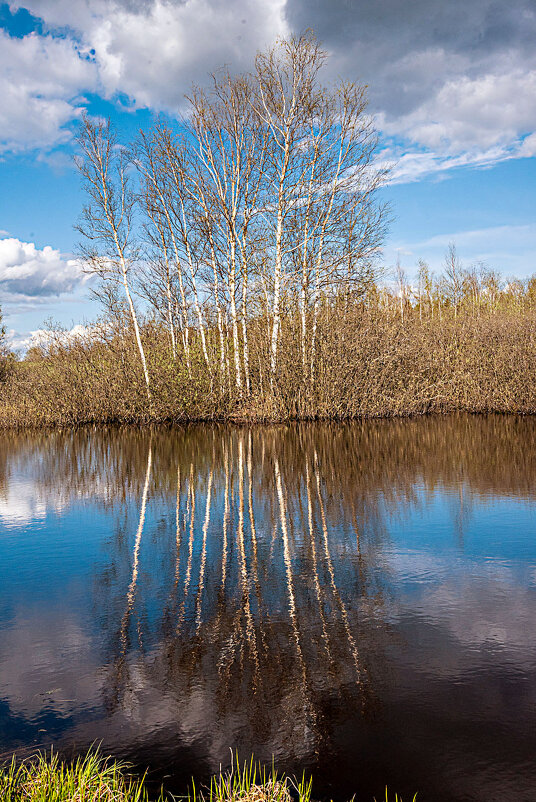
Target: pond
[357, 601]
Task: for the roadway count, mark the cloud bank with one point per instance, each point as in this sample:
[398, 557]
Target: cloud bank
[28, 271]
[451, 82]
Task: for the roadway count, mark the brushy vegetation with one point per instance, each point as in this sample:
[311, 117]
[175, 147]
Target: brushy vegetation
[96, 779]
[373, 359]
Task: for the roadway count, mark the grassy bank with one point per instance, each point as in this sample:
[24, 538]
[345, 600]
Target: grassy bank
[96, 779]
[367, 364]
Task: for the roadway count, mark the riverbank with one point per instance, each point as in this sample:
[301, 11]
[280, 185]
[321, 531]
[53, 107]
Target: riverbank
[93, 778]
[369, 366]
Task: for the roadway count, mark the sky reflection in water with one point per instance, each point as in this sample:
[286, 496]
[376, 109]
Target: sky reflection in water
[357, 600]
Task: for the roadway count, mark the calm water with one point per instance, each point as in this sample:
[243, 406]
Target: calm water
[358, 601]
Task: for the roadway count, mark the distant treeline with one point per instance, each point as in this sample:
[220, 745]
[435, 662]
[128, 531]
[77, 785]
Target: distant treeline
[238, 263]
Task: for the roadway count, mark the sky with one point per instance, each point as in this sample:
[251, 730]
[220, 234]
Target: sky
[451, 84]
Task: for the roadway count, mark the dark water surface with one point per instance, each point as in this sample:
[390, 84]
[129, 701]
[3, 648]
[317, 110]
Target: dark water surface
[357, 600]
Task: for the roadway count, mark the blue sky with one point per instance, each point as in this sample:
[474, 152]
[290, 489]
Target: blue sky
[452, 87]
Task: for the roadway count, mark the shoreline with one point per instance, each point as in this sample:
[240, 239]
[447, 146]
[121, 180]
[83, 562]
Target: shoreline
[249, 420]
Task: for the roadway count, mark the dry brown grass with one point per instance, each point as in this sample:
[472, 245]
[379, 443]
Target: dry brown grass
[368, 364]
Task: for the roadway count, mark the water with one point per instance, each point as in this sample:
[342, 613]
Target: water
[356, 600]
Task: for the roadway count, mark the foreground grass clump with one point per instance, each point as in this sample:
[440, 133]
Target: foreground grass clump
[92, 778]
[252, 783]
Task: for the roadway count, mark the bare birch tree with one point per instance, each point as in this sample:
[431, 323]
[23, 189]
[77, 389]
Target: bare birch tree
[226, 177]
[453, 278]
[151, 156]
[401, 287]
[107, 220]
[320, 186]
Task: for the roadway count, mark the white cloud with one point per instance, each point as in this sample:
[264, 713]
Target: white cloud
[412, 165]
[468, 122]
[452, 77]
[445, 95]
[40, 81]
[44, 337]
[32, 272]
[18, 342]
[468, 114]
[528, 146]
[152, 52]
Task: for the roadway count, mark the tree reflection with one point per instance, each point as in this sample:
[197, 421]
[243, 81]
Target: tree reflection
[241, 574]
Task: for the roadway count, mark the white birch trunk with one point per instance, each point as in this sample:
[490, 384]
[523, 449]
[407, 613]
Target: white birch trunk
[170, 315]
[234, 316]
[244, 326]
[303, 301]
[124, 276]
[219, 317]
[276, 312]
[200, 320]
[136, 330]
[183, 298]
